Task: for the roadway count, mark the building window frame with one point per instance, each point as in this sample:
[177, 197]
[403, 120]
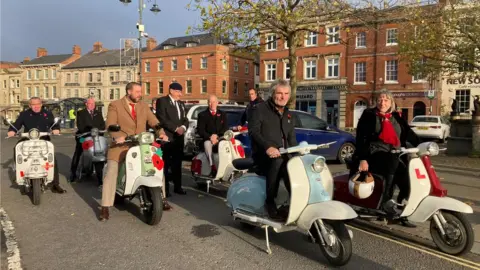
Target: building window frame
[332, 67]
[360, 73]
[310, 69]
[270, 72]
[391, 71]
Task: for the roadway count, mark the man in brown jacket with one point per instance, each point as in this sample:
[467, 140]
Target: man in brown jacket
[132, 116]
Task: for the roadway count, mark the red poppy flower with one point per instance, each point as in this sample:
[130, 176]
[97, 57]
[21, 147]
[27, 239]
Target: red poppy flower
[289, 116]
[157, 162]
[87, 144]
[45, 115]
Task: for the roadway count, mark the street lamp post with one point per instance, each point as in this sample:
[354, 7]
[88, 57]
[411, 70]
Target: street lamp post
[141, 29]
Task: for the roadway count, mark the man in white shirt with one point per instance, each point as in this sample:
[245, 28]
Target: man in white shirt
[172, 115]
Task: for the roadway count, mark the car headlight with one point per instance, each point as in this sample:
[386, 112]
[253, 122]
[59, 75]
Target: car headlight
[33, 134]
[319, 164]
[146, 138]
[433, 149]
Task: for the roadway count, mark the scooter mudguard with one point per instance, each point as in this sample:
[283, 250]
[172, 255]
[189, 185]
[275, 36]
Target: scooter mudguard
[332, 210]
[248, 194]
[431, 204]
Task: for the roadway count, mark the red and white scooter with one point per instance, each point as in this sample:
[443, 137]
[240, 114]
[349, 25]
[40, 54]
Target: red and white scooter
[427, 201]
[228, 149]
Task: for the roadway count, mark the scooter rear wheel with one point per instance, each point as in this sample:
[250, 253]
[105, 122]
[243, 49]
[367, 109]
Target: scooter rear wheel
[340, 253]
[457, 225]
[153, 213]
[36, 191]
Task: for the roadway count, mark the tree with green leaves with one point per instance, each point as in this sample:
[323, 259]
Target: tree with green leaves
[443, 39]
[246, 22]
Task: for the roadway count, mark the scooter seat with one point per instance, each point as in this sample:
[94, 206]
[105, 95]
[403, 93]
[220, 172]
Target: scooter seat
[243, 163]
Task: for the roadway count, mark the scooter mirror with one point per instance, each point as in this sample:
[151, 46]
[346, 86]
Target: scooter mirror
[114, 128]
[7, 121]
[57, 120]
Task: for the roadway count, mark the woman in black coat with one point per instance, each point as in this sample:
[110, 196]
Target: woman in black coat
[380, 130]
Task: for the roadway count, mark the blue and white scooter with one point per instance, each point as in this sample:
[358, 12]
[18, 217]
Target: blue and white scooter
[311, 208]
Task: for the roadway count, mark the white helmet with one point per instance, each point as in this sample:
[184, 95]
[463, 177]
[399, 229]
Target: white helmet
[361, 189]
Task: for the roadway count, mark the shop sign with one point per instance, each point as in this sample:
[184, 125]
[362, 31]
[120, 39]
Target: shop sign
[408, 94]
[306, 95]
[470, 82]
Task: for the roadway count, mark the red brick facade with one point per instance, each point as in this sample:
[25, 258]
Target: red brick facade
[407, 92]
[214, 73]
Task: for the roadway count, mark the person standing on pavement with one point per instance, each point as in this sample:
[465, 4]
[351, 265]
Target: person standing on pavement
[212, 123]
[272, 127]
[172, 115]
[71, 116]
[86, 120]
[380, 130]
[132, 116]
[41, 119]
[254, 100]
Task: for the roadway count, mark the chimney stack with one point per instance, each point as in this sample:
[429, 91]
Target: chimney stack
[151, 44]
[41, 52]
[26, 59]
[76, 50]
[97, 46]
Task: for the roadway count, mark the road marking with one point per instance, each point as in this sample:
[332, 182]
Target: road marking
[14, 261]
[447, 257]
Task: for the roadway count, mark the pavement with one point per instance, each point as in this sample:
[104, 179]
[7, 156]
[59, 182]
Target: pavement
[199, 233]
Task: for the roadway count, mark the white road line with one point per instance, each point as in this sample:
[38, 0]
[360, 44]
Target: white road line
[453, 259]
[14, 261]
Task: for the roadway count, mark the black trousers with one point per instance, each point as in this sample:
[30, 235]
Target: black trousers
[384, 164]
[275, 169]
[173, 157]
[56, 175]
[76, 157]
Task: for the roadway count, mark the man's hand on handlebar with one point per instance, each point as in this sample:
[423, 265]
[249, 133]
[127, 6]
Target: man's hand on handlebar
[11, 134]
[163, 137]
[55, 132]
[363, 167]
[119, 140]
[273, 152]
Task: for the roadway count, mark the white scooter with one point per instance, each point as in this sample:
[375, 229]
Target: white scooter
[34, 161]
[450, 229]
[229, 149]
[141, 174]
[94, 155]
[311, 208]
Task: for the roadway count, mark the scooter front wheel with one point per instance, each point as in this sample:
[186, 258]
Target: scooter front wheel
[153, 205]
[340, 250]
[36, 191]
[459, 235]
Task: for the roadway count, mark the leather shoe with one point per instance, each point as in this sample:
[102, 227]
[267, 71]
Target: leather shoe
[58, 189]
[166, 206]
[273, 212]
[72, 178]
[406, 223]
[180, 191]
[104, 215]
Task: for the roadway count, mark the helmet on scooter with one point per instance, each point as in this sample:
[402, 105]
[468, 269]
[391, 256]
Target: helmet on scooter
[361, 186]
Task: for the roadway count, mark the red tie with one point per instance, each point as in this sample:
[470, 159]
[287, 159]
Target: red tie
[213, 113]
[134, 114]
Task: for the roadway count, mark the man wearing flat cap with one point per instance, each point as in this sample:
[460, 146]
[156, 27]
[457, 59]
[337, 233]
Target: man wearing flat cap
[173, 118]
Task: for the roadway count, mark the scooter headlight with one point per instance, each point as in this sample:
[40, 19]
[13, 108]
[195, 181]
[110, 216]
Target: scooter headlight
[94, 132]
[228, 135]
[319, 164]
[147, 138]
[33, 134]
[433, 149]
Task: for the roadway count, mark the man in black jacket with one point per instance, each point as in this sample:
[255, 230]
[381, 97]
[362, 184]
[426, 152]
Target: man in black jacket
[172, 116]
[272, 127]
[212, 123]
[86, 120]
[254, 100]
[41, 119]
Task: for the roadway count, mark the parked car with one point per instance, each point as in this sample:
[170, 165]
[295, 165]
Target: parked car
[308, 128]
[431, 126]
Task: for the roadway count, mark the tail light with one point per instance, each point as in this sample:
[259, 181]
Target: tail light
[240, 151]
[196, 166]
[435, 126]
[436, 190]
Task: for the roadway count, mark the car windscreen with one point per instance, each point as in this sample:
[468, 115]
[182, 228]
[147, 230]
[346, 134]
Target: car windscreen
[234, 118]
[425, 119]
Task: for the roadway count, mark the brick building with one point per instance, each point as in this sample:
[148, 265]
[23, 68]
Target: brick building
[321, 72]
[11, 89]
[202, 64]
[373, 64]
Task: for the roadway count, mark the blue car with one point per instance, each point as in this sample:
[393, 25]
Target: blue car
[311, 129]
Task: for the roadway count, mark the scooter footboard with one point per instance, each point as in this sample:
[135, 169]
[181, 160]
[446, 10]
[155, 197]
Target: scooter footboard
[332, 210]
[148, 181]
[431, 204]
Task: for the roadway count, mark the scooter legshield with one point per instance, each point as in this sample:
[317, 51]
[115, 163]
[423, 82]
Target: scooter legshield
[248, 194]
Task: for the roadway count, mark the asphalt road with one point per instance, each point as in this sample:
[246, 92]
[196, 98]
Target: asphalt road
[64, 233]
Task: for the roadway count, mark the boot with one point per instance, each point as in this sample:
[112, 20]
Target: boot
[104, 215]
[56, 188]
[407, 223]
[272, 211]
[388, 206]
[166, 205]
[213, 171]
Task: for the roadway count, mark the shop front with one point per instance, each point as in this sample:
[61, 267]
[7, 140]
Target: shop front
[462, 91]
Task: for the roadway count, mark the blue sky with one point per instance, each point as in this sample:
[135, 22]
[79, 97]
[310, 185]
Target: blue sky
[57, 25]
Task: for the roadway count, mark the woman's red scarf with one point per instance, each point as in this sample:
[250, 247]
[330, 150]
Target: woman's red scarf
[388, 134]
